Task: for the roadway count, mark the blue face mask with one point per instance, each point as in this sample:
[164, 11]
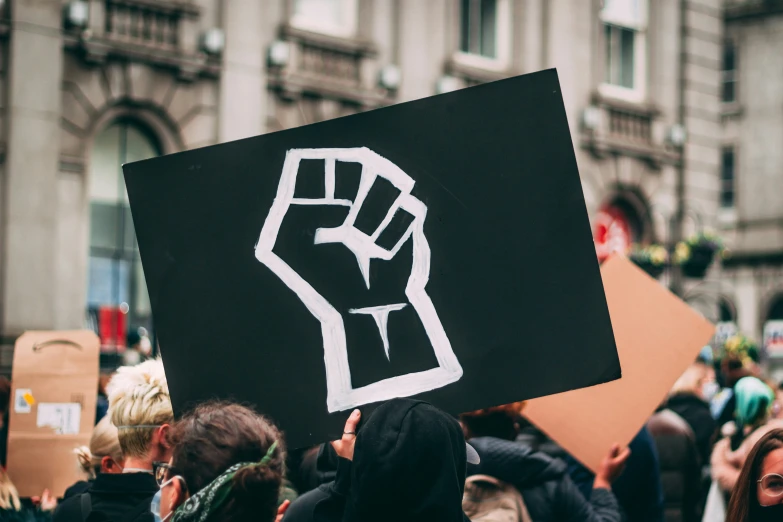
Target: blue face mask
[155, 507]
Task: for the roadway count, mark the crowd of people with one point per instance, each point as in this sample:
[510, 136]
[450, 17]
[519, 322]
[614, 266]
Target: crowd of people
[712, 451]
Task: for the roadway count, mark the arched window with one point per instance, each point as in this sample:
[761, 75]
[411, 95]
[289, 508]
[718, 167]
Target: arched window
[117, 297]
[776, 309]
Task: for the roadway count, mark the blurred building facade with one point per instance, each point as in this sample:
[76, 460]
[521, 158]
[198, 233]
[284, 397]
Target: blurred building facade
[751, 202]
[88, 85]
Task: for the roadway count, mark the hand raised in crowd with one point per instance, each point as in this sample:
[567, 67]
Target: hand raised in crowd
[611, 467]
[281, 509]
[344, 446]
[46, 502]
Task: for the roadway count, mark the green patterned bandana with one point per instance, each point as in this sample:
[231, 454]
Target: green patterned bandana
[208, 500]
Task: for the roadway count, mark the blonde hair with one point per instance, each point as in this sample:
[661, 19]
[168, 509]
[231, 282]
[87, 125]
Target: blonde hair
[139, 396]
[104, 442]
[9, 497]
[691, 379]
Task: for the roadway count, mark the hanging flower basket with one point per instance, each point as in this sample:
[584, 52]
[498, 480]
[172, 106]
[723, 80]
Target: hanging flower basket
[696, 254]
[652, 258]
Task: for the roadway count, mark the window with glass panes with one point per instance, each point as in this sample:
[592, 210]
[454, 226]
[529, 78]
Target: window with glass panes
[624, 23]
[727, 178]
[115, 277]
[729, 72]
[479, 27]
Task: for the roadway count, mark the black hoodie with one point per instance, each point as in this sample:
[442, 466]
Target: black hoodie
[548, 491]
[409, 465]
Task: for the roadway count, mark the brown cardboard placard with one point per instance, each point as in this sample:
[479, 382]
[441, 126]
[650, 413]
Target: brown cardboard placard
[54, 391]
[658, 336]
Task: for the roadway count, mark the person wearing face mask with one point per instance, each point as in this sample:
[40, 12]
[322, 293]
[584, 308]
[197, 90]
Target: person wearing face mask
[140, 408]
[226, 465]
[758, 496]
[689, 398]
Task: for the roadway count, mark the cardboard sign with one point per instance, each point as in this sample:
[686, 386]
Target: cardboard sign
[55, 386]
[773, 338]
[433, 249]
[658, 336]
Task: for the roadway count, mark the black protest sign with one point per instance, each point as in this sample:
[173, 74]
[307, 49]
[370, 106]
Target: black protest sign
[438, 249]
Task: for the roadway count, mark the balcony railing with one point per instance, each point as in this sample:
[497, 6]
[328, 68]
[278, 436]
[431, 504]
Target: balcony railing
[611, 127]
[630, 126]
[143, 24]
[344, 69]
[161, 32]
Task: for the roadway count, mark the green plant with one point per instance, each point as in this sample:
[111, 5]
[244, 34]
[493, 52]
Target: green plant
[709, 241]
[655, 255]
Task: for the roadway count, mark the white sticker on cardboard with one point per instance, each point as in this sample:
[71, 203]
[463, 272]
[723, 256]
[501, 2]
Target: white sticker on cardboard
[23, 400]
[63, 417]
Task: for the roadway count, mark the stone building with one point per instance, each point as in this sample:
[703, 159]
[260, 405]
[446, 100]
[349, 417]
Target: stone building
[751, 201]
[90, 84]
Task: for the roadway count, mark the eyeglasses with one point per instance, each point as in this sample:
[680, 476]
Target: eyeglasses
[159, 471]
[772, 485]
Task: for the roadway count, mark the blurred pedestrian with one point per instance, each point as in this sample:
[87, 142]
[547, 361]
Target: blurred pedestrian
[102, 402]
[140, 408]
[638, 489]
[689, 398]
[104, 455]
[758, 496]
[409, 463]
[739, 359]
[12, 509]
[548, 492]
[753, 404]
[227, 464]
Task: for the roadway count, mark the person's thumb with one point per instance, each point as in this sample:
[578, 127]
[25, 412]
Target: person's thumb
[353, 422]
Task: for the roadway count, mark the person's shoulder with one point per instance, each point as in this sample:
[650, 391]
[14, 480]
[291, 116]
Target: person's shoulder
[304, 507]
[69, 509]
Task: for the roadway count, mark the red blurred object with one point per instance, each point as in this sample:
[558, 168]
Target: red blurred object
[112, 328]
[612, 232]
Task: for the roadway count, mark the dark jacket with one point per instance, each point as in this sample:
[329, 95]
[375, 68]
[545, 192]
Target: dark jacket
[638, 488]
[696, 412]
[680, 466]
[28, 513]
[548, 491]
[116, 497]
[409, 464]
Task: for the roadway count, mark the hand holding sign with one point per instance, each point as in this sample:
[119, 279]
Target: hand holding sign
[341, 394]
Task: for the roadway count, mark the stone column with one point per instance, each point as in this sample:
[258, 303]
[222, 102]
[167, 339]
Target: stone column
[29, 282]
[250, 26]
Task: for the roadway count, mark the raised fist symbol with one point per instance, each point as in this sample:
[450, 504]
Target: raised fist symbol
[341, 395]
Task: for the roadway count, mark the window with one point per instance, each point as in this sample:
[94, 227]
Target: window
[115, 278]
[729, 73]
[337, 17]
[479, 31]
[485, 33]
[624, 32]
[727, 179]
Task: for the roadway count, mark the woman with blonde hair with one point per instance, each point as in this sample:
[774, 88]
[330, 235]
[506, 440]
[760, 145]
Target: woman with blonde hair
[12, 509]
[102, 456]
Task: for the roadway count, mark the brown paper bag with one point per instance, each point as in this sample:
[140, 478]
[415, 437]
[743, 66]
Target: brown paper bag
[53, 396]
[658, 336]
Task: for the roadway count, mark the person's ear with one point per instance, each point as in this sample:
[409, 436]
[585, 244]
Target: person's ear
[178, 495]
[162, 435]
[109, 466]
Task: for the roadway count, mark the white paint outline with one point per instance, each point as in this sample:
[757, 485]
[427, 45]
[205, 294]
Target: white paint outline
[380, 315]
[340, 393]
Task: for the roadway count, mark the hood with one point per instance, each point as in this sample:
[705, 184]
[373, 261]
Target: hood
[326, 464]
[409, 465]
[514, 463]
[685, 399]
